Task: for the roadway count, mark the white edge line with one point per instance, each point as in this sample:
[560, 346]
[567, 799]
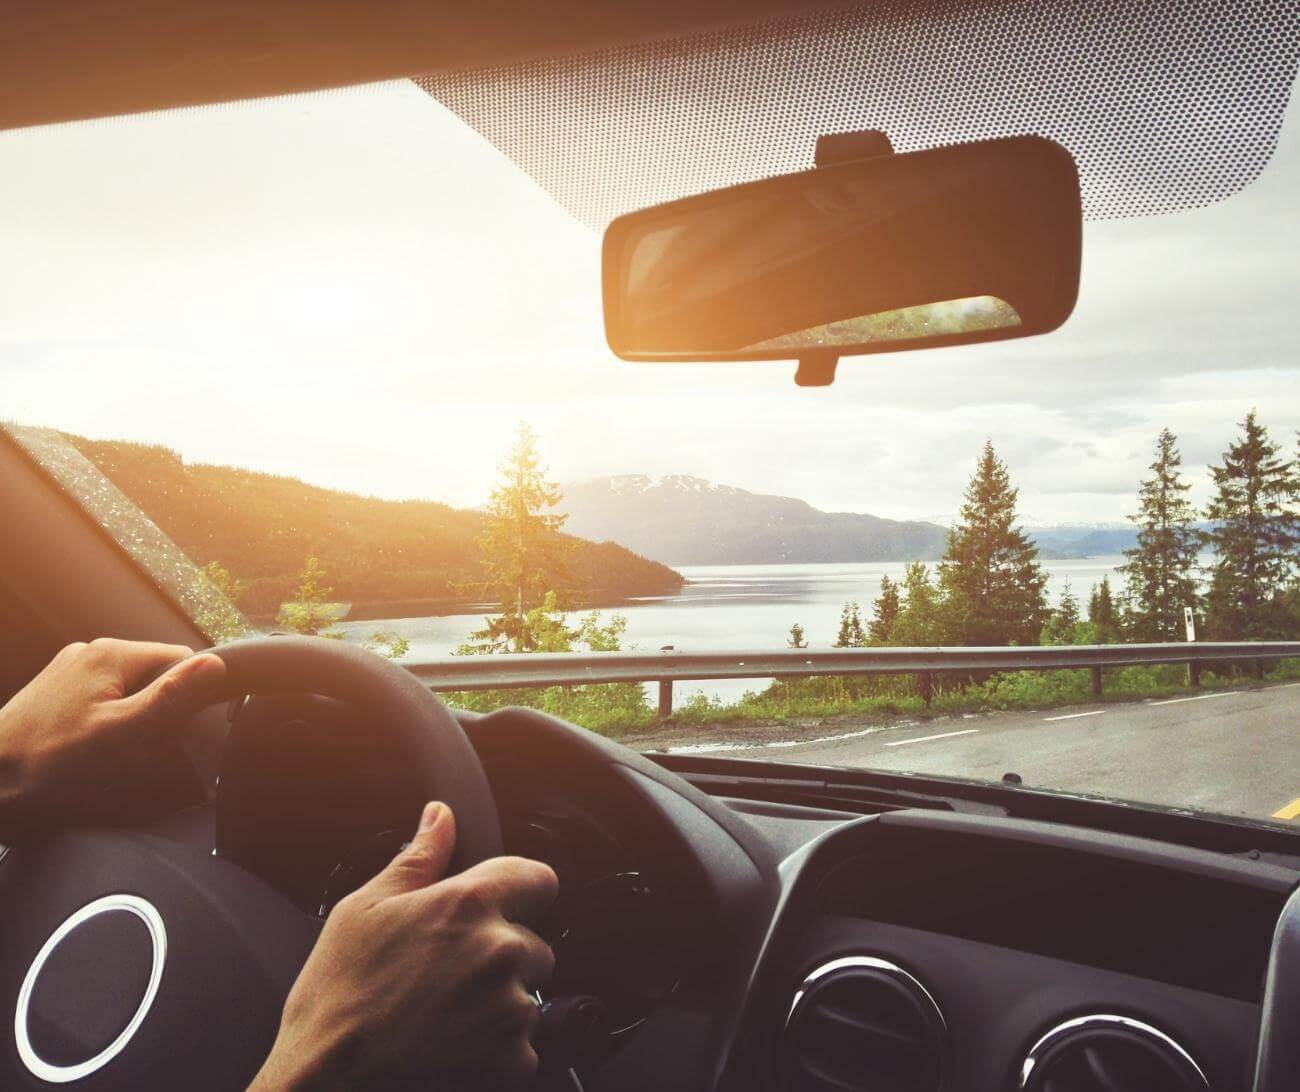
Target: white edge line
[1072, 716]
[714, 748]
[926, 739]
[1198, 697]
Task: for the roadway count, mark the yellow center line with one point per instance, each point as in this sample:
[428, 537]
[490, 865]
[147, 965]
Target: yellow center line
[1289, 812]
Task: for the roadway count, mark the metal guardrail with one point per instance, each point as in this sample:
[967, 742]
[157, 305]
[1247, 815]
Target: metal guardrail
[542, 669]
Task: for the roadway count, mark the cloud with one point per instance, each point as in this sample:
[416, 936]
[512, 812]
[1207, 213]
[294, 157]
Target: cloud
[356, 289]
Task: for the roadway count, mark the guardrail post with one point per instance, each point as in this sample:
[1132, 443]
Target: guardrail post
[665, 698]
[1259, 669]
[1194, 673]
[925, 687]
[1096, 680]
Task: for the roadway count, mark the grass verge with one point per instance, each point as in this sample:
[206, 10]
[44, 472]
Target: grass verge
[622, 709]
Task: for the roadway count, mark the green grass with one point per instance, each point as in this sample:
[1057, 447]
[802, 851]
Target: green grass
[616, 710]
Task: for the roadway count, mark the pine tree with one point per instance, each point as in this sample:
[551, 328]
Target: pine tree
[216, 611]
[1068, 609]
[920, 621]
[1063, 623]
[796, 639]
[521, 544]
[850, 634]
[1293, 590]
[1161, 570]
[311, 612]
[1102, 613]
[1254, 539]
[884, 612]
[994, 588]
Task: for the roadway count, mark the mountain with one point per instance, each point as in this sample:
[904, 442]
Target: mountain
[681, 520]
[1083, 540]
[387, 558]
[1088, 540]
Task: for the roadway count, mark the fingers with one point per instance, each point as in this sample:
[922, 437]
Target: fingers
[514, 1063]
[177, 694]
[530, 958]
[501, 1057]
[424, 861]
[137, 661]
[519, 889]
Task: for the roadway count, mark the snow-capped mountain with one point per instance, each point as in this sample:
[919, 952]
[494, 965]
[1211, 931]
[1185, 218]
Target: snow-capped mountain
[684, 520]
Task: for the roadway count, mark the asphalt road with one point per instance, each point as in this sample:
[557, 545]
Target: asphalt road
[1233, 752]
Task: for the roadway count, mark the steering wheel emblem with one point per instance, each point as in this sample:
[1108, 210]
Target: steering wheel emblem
[64, 1068]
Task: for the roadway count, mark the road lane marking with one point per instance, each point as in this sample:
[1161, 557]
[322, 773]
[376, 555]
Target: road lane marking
[926, 739]
[830, 739]
[1198, 697]
[1288, 812]
[1071, 716]
[755, 745]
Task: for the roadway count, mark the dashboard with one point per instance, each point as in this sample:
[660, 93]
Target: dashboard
[756, 945]
[970, 953]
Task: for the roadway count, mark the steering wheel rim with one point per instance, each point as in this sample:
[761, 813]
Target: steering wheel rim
[442, 760]
[220, 948]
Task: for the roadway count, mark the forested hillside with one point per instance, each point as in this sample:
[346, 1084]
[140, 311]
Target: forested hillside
[387, 558]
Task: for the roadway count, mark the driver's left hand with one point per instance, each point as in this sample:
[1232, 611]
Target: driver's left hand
[92, 721]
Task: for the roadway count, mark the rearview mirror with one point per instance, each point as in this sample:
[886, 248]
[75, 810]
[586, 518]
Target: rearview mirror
[972, 242]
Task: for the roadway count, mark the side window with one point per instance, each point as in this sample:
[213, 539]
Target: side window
[27, 644]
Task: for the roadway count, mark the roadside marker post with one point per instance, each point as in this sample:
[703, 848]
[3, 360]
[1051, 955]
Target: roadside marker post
[925, 687]
[1193, 666]
[665, 698]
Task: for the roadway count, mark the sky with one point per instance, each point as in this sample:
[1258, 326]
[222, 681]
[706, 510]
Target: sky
[355, 288]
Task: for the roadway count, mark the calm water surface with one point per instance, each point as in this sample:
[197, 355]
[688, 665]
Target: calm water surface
[736, 606]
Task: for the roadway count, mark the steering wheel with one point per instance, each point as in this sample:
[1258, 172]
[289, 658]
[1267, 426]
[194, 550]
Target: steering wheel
[130, 961]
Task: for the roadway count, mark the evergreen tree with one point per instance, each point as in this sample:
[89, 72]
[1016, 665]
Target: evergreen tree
[1295, 480]
[1254, 539]
[1102, 613]
[796, 639]
[217, 595]
[920, 621]
[994, 588]
[1062, 626]
[1068, 609]
[311, 612]
[521, 544]
[1161, 570]
[1292, 596]
[884, 613]
[850, 634]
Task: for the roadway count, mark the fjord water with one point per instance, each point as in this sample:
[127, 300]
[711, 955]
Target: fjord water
[737, 606]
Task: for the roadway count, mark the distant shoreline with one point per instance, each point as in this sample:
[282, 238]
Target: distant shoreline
[377, 610]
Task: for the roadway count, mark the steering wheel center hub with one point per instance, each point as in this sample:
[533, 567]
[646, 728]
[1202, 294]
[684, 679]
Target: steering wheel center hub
[90, 988]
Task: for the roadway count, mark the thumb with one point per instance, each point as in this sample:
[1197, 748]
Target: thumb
[178, 693]
[424, 860]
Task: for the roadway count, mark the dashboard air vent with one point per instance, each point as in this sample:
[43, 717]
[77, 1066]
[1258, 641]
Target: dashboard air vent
[862, 1024]
[1109, 1054]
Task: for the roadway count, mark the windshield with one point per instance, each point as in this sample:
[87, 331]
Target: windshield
[335, 364]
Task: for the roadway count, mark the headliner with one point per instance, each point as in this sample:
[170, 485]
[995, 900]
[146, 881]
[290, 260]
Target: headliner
[63, 60]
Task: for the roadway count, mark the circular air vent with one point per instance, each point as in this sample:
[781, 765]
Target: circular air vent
[1109, 1054]
[861, 1024]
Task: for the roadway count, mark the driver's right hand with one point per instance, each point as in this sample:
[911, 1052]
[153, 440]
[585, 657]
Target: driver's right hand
[421, 981]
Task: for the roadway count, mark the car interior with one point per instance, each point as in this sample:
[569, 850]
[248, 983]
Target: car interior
[746, 925]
